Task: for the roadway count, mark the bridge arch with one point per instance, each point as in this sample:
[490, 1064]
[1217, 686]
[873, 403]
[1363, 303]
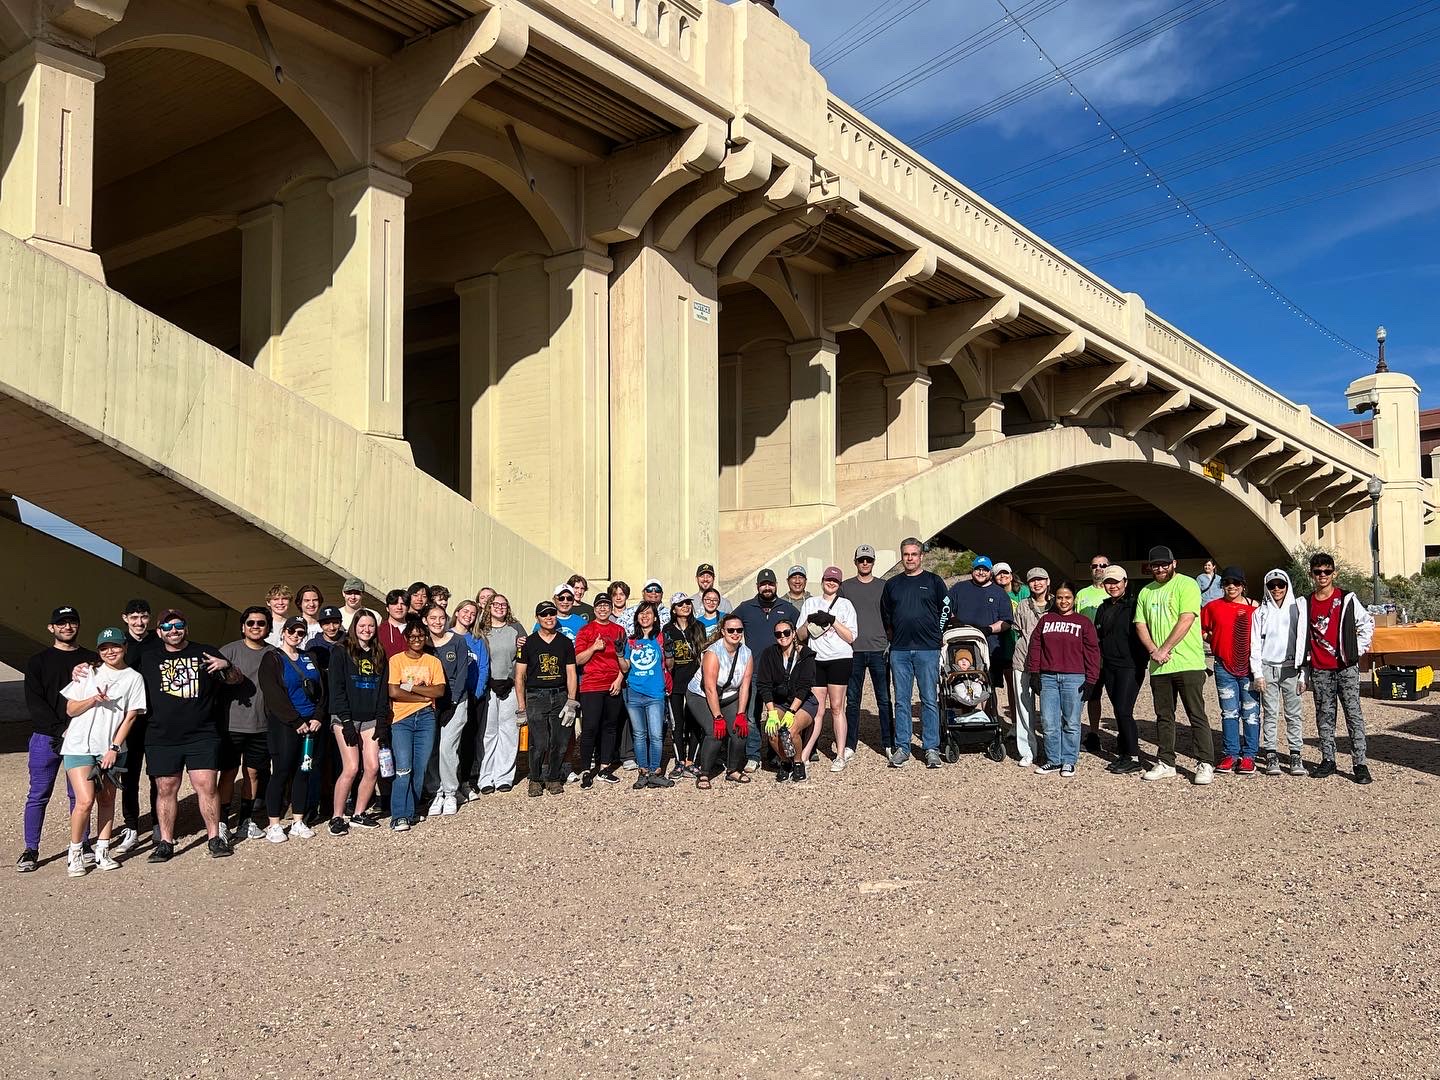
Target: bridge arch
[1229, 516]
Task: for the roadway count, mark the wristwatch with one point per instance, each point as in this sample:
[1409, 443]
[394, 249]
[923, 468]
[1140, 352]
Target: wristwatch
[115, 748]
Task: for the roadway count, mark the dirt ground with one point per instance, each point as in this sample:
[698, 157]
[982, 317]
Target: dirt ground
[976, 921]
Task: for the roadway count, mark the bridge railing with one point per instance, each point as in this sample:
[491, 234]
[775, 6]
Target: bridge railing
[674, 25]
[893, 176]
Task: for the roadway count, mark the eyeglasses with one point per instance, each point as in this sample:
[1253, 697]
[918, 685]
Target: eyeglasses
[782, 634]
[172, 626]
[1317, 573]
[257, 622]
[734, 630]
[1099, 566]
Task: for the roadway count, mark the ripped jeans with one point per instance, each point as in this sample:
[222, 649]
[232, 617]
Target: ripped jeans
[1239, 713]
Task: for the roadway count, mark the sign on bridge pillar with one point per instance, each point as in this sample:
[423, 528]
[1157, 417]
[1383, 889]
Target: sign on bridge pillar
[48, 152]
[664, 433]
[907, 419]
[812, 422]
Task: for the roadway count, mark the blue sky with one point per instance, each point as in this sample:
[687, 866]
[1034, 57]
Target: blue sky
[1336, 154]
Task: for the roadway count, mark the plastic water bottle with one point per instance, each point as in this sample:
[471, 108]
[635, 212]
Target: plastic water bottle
[387, 762]
[307, 754]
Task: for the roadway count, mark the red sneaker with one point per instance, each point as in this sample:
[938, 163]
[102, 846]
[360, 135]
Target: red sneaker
[1246, 767]
[1227, 765]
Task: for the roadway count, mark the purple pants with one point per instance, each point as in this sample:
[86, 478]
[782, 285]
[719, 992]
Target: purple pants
[44, 767]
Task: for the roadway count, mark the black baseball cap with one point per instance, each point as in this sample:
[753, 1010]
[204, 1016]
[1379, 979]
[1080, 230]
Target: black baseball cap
[546, 607]
[138, 606]
[704, 568]
[765, 577]
[64, 615]
[1232, 573]
[1161, 554]
[295, 622]
[330, 613]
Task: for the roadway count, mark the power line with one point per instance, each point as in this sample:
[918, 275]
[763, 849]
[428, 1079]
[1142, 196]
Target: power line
[846, 41]
[1215, 238]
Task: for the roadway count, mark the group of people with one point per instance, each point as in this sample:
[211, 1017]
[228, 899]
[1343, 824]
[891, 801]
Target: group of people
[319, 711]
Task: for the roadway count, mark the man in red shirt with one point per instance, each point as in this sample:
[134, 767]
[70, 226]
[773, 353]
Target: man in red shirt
[392, 630]
[1225, 622]
[600, 649]
[1339, 634]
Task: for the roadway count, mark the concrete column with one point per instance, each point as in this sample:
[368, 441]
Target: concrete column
[907, 419]
[664, 444]
[479, 355]
[983, 417]
[261, 232]
[1397, 440]
[367, 359]
[812, 422]
[48, 152]
[580, 393]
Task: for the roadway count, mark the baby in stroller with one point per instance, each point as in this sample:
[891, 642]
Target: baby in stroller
[965, 685]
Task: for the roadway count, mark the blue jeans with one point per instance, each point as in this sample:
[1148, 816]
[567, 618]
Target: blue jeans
[647, 725]
[908, 667]
[878, 665]
[1060, 709]
[411, 741]
[1239, 713]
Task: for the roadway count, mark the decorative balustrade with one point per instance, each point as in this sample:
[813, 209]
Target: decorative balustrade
[673, 25]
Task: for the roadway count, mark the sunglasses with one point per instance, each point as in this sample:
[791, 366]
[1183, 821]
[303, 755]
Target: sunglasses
[257, 622]
[1099, 566]
[172, 626]
[782, 634]
[297, 630]
[865, 558]
[734, 630]
[1278, 585]
[1228, 584]
[1323, 573]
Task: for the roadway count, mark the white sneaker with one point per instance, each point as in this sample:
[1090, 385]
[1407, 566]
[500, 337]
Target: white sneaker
[752, 766]
[253, 831]
[573, 778]
[448, 806]
[471, 793]
[838, 765]
[437, 805]
[128, 839]
[88, 856]
[225, 833]
[849, 753]
[275, 834]
[1204, 774]
[300, 829]
[1159, 771]
[104, 860]
[77, 867]
[630, 765]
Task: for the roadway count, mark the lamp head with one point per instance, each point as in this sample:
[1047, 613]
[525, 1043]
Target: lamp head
[1374, 486]
[1380, 335]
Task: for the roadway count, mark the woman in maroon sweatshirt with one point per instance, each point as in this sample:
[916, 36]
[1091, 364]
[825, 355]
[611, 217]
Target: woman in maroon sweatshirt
[1063, 665]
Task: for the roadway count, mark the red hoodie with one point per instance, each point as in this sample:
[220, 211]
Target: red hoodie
[1065, 645]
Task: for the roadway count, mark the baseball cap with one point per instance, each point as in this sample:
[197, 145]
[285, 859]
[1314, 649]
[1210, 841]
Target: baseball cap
[797, 570]
[864, 551]
[64, 614]
[681, 598]
[1277, 575]
[765, 577]
[1114, 572]
[1232, 573]
[564, 586]
[602, 600]
[982, 563]
[705, 568]
[110, 636]
[652, 583]
[546, 607]
[171, 613]
[352, 584]
[329, 613]
[1037, 572]
[832, 573]
[1161, 554]
[1003, 567]
[295, 622]
[138, 606]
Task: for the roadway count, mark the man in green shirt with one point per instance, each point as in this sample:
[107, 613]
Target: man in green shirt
[1087, 602]
[1167, 620]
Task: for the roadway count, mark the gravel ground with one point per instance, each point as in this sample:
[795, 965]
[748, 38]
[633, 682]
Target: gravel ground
[972, 922]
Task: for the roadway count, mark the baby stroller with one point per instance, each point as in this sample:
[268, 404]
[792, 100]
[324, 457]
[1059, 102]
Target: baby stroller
[968, 713]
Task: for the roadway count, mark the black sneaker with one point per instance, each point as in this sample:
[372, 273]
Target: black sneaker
[367, 820]
[1092, 742]
[29, 859]
[1324, 769]
[609, 777]
[339, 826]
[163, 851]
[782, 772]
[1124, 766]
[798, 772]
[1362, 774]
[502, 788]
[1272, 763]
[642, 781]
[588, 780]
[219, 849]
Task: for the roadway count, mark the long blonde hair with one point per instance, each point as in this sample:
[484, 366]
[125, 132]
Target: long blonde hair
[455, 616]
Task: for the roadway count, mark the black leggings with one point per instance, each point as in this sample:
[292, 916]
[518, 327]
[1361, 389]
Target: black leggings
[1123, 687]
[600, 713]
[285, 744]
[731, 748]
[685, 730]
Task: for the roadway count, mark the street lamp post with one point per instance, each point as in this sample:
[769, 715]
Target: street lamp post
[1373, 488]
[1381, 367]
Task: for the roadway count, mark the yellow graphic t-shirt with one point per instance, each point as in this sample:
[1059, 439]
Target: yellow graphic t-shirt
[422, 671]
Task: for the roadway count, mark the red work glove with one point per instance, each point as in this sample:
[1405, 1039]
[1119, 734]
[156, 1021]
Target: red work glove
[719, 727]
[742, 726]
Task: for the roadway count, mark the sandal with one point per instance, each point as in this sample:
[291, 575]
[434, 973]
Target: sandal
[703, 783]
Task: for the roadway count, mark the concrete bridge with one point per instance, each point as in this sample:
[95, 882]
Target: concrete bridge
[494, 291]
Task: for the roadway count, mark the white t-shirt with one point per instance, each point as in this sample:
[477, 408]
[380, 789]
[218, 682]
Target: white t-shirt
[829, 645]
[94, 730]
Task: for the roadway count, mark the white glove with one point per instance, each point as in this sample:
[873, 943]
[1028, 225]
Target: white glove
[568, 712]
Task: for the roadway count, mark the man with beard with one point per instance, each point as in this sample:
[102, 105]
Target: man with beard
[760, 614]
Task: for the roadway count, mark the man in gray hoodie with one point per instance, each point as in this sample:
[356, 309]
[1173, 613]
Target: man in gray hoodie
[1277, 653]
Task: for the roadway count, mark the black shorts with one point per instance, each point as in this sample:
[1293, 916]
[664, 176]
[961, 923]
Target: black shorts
[834, 672]
[248, 748]
[201, 752]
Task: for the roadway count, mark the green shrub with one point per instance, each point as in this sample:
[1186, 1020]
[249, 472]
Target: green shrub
[1348, 576]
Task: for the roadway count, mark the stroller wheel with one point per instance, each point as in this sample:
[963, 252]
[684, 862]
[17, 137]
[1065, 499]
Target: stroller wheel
[950, 751]
[996, 750]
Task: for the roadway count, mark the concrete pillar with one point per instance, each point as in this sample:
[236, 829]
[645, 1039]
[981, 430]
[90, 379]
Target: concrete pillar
[1396, 439]
[579, 285]
[983, 418]
[907, 419]
[261, 233]
[367, 358]
[812, 422]
[479, 392]
[664, 443]
[48, 152]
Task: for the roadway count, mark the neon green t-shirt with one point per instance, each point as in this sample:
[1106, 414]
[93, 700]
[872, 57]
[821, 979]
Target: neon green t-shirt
[1089, 599]
[1159, 608]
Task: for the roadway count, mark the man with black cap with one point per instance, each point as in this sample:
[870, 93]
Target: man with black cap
[139, 639]
[47, 673]
[1226, 624]
[545, 690]
[1167, 620]
[760, 614]
[705, 579]
[872, 652]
